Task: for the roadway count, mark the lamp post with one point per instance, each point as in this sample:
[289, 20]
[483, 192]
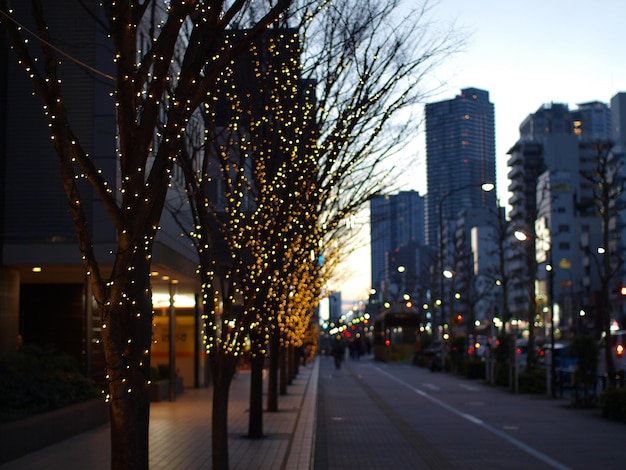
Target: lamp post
[486, 187]
[550, 270]
[547, 248]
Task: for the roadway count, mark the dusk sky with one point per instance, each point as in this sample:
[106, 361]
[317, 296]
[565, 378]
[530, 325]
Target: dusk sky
[524, 54]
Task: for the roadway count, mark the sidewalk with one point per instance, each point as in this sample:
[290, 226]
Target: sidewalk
[180, 433]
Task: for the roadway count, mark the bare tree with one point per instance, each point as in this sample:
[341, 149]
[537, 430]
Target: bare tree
[500, 238]
[372, 62]
[153, 104]
[607, 183]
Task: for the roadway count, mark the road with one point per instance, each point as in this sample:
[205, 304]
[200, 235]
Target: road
[374, 415]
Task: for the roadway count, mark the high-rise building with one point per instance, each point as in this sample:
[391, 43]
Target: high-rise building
[547, 141]
[553, 201]
[460, 157]
[618, 123]
[397, 232]
[592, 120]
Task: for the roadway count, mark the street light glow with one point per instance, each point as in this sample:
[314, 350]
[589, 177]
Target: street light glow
[521, 236]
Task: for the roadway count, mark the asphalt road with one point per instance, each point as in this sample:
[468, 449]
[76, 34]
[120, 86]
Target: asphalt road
[374, 415]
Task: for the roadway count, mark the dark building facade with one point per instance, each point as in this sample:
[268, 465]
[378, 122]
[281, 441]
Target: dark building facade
[45, 295]
[397, 236]
[460, 157]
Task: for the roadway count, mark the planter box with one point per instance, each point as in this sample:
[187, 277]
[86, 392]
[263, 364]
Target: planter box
[160, 390]
[19, 438]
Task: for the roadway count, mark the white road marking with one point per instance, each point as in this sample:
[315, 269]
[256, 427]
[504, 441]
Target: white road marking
[473, 419]
[469, 388]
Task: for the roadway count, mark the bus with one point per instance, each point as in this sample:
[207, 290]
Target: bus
[396, 333]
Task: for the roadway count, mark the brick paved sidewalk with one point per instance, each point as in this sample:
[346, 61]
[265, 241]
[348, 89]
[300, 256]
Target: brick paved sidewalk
[180, 433]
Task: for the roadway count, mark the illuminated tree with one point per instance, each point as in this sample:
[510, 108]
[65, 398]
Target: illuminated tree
[248, 182]
[153, 101]
[284, 164]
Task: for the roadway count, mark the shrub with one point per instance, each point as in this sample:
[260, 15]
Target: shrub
[501, 374]
[584, 349]
[420, 359]
[532, 381]
[613, 404]
[474, 368]
[36, 380]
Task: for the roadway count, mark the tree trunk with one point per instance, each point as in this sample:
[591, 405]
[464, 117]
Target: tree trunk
[608, 350]
[223, 368]
[129, 417]
[126, 338]
[283, 371]
[605, 279]
[292, 364]
[255, 418]
[297, 356]
[272, 373]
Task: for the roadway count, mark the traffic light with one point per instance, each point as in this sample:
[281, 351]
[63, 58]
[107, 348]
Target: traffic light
[622, 290]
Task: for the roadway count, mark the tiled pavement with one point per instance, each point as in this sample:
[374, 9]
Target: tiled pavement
[180, 433]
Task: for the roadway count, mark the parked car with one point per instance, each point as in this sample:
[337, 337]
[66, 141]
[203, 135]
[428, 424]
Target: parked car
[564, 364]
[433, 353]
[562, 359]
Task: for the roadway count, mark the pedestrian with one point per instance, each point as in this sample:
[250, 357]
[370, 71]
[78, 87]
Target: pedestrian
[357, 348]
[338, 351]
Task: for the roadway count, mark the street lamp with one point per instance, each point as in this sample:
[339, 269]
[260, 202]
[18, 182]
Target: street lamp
[486, 187]
[392, 287]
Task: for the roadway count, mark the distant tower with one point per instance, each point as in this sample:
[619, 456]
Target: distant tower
[460, 153]
[334, 307]
[396, 222]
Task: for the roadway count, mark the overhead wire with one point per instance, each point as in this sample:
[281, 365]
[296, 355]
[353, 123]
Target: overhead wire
[60, 51]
